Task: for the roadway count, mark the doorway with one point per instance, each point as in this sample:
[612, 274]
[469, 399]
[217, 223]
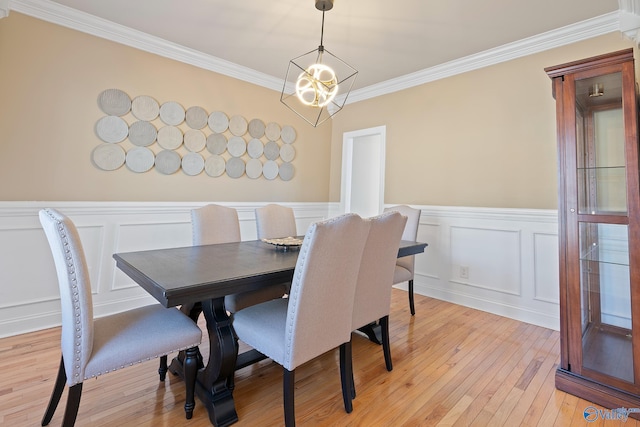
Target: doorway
[363, 160]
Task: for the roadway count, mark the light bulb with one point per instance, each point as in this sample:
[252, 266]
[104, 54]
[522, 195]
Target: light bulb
[317, 85]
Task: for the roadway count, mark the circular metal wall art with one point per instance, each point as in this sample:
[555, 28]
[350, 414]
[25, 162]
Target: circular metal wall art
[108, 157]
[142, 133]
[196, 117]
[271, 150]
[288, 135]
[214, 165]
[195, 140]
[112, 129]
[270, 169]
[272, 131]
[114, 102]
[169, 137]
[168, 162]
[255, 148]
[287, 152]
[254, 168]
[218, 121]
[172, 113]
[236, 146]
[216, 143]
[192, 164]
[139, 159]
[238, 125]
[286, 171]
[145, 108]
[256, 128]
[235, 167]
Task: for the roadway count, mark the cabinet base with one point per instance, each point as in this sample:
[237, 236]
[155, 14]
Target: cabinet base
[600, 394]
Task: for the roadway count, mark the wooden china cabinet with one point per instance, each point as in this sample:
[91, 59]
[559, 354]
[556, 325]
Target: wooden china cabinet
[599, 229]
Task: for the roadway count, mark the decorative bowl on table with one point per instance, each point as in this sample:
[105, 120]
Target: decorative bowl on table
[285, 243]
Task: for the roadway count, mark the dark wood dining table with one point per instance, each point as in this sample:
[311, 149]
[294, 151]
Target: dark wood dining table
[197, 278]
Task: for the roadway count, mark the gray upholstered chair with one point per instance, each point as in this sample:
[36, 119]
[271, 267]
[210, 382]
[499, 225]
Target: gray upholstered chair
[405, 266]
[317, 316]
[273, 221]
[212, 224]
[373, 294]
[95, 347]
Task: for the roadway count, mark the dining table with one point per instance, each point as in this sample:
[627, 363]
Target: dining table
[197, 278]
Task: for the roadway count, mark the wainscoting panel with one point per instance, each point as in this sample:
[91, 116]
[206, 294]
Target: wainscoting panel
[511, 256]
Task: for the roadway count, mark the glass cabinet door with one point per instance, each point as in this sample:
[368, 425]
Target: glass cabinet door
[605, 286]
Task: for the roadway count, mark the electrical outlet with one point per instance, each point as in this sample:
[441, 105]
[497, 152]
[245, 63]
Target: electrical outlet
[464, 272]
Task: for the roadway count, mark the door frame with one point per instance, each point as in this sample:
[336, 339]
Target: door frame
[348, 139]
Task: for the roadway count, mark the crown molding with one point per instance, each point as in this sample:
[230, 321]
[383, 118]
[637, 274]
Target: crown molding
[80, 21]
[551, 39]
[4, 8]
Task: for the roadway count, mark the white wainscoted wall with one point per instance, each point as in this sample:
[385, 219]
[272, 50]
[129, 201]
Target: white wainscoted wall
[510, 256]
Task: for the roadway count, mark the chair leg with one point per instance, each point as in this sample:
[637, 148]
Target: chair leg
[58, 388]
[73, 403]
[411, 305]
[288, 385]
[162, 370]
[190, 371]
[386, 348]
[346, 376]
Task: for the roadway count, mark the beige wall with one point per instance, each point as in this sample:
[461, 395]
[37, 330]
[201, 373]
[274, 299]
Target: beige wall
[50, 79]
[486, 138]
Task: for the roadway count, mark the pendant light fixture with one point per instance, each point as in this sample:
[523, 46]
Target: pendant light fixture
[317, 83]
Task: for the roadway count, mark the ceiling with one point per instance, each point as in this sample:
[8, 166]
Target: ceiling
[383, 41]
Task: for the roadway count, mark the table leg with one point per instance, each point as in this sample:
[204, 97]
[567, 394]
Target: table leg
[214, 384]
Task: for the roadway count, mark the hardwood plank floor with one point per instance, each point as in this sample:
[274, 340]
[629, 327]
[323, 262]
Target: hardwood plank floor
[453, 366]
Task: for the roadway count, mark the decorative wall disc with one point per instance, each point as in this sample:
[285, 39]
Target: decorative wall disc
[286, 171]
[142, 133]
[271, 150]
[109, 157]
[170, 137]
[238, 125]
[272, 131]
[196, 117]
[218, 121]
[145, 108]
[214, 165]
[172, 113]
[114, 102]
[256, 128]
[235, 167]
[195, 140]
[270, 169]
[216, 143]
[192, 164]
[255, 148]
[287, 152]
[140, 159]
[254, 168]
[168, 162]
[236, 146]
[112, 129]
[288, 134]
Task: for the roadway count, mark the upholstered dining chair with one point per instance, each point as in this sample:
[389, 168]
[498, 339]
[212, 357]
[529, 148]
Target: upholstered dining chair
[94, 347]
[317, 316]
[212, 224]
[405, 266]
[273, 221]
[373, 294]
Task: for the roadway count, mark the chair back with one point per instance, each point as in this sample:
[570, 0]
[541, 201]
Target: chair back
[373, 293]
[322, 292]
[410, 233]
[273, 221]
[75, 292]
[213, 224]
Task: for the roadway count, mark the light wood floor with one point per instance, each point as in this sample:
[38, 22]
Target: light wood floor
[453, 366]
